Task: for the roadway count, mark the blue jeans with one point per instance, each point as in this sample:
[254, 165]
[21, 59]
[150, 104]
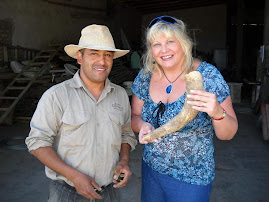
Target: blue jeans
[60, 193]
[158, 187]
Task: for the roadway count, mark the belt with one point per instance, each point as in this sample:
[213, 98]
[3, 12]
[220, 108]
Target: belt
[103, 188]
[67, 185]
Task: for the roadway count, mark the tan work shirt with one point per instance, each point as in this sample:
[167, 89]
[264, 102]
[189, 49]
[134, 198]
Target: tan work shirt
[86, 134]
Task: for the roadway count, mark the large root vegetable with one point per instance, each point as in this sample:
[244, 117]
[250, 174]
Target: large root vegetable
[194, 81]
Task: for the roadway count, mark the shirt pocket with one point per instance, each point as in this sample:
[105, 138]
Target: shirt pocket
[116, 118]
[116, 123]
[74, 128]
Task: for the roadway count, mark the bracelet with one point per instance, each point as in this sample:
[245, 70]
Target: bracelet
[222, 117]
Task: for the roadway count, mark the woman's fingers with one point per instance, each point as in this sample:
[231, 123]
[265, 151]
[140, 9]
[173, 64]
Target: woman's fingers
[203, 101]
[141, 141]
[145, 129]
[141, 134]
[199, 95]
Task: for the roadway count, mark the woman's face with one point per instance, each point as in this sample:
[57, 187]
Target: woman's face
[167, 52]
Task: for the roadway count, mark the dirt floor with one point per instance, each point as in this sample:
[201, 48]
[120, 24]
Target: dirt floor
[242, 167]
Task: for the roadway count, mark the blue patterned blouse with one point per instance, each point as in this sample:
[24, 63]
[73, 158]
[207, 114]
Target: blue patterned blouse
[186, 154]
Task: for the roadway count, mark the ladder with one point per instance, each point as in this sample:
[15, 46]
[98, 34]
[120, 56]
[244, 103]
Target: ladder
[15, 90]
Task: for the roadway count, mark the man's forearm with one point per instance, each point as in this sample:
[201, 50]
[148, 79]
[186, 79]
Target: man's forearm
[125, 152]
[50, 159]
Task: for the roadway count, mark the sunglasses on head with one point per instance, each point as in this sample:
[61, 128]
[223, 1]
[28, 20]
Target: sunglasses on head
[165, 18]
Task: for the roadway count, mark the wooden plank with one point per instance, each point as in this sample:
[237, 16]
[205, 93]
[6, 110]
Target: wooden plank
[25, 55]
[57, 71]
[3, 109]
[5, 54]
[37, 63]
[16, 88]
[23, 79]
[265, 120]
[7, 98]
[16, 54]
[7, 76]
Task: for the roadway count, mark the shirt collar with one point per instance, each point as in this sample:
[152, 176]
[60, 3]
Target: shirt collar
[76, 82]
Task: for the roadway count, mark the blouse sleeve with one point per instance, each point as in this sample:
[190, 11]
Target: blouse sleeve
[215, 83]
[141, 85]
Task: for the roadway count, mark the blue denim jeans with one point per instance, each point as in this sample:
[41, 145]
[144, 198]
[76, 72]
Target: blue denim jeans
[59, 193]
[157, 187]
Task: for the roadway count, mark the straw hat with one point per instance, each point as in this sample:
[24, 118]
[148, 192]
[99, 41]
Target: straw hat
[97, 37]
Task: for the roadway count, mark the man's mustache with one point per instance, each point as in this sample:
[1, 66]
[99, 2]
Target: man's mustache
[100, 66]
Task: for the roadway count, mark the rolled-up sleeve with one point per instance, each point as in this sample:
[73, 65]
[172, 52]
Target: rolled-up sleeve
[128, 135]
[44, 123]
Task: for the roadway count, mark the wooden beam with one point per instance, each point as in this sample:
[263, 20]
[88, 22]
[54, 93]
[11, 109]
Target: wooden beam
[151, 6]
[171, 8]
[76, 6]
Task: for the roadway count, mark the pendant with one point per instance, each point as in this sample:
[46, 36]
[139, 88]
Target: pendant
[169, 89]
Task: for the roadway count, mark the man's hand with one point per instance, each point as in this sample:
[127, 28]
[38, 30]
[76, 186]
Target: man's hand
[85, 185]
[122, 168]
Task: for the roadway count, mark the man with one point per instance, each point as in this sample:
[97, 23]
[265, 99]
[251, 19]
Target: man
[81, 128]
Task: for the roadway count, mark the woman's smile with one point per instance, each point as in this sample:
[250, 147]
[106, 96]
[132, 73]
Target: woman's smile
[167, 57]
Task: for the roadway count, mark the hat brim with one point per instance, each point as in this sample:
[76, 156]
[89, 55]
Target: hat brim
[72, 50]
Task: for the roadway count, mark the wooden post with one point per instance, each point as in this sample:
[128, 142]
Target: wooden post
[16, 54]
[239, 38]
[5, 54]
[265, 120]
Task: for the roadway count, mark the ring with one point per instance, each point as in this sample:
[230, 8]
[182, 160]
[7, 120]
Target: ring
[204, 104]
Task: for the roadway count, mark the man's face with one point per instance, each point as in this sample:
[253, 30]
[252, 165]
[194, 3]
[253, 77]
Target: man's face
[95, 65]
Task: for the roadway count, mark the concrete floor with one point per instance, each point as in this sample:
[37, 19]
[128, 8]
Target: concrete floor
[242, 167]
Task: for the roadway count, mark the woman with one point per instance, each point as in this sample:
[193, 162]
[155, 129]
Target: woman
[179, 166]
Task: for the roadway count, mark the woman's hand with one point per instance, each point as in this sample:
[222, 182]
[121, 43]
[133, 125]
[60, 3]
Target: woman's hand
[205, 102]
[145, 129]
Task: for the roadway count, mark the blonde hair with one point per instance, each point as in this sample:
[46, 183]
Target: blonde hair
[177, 30]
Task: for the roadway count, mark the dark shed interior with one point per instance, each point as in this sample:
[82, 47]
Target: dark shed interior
[229, 34]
